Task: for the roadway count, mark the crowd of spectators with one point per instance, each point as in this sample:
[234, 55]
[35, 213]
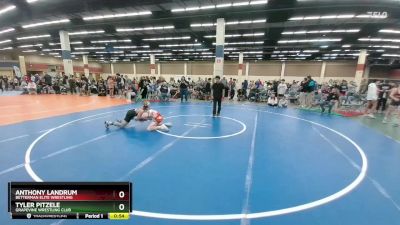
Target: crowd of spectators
[307, 93]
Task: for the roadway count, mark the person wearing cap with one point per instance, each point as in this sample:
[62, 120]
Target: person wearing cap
[217, 92]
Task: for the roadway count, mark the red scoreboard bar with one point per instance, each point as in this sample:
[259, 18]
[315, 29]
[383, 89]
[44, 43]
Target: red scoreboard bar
[70, 200]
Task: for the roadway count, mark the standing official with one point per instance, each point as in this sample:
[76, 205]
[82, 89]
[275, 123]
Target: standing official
[217, 89]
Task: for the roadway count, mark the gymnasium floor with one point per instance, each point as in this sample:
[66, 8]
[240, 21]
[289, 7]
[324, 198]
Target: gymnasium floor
[253, 165]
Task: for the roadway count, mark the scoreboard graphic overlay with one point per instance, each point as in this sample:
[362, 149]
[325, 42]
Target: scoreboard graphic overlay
[70, 200]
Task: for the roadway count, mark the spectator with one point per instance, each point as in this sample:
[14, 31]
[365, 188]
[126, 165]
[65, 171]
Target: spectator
[111, 86]
[272, 101]
[303, 91]
[310, 88]
[1, 84]
[372, 97]
[245, 85]
[282, 103]
[207, 89]
[164, 92]
[32, 88]
[383, 94]
[394, 104]
[183, 89]
[232, 87]
[72, 84]
[281, 89]
[5, 80]
[330, 101]
[343, 90]
[225, 83]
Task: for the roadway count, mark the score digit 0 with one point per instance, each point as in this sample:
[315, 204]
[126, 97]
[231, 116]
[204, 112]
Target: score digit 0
[121, 194]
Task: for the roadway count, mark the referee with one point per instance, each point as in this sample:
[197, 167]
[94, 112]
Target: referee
[217, 89]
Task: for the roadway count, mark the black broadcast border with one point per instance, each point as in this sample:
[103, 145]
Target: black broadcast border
[9, 196]
[130, 196]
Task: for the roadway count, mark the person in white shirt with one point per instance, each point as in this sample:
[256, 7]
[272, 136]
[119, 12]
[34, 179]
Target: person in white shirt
[32, 88]
[282, 88]
[272, 101]
[372, 98]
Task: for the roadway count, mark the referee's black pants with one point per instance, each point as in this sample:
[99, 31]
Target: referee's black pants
[215, 101]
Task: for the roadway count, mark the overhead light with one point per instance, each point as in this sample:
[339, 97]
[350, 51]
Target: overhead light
[241, 3]
[49, 50]
[380, 40]
[166, 38]
[133, 46]
[384, 46]
[114, 52]
[7, 30]
[310, 51]
[245, 22]
[248, 52]
[7, 48]
[321, 31]
[89, 48]
[146, 51]
[179, 45]
[229, 23]
[345, 16]
[79, 53]
[144, 28]
[244, 43]
[338, 16]
[46, 23]
[119, 15]
[290, 51]
[54, 53]
[31, 1]
[390, 31]
[130, 55]
[237, 35]
[346, 46]
[71, 43]
[324, 46]
[5, 41]
[310, 40]
[223, 5]
[6, 9]
[34, 37]
[86, 32]
[29, 46]
[218, 6]
[190, 50]
[390, 55]
[27, 51]
[163, 53]
[111, 41]
[371, 16]
[258, 2]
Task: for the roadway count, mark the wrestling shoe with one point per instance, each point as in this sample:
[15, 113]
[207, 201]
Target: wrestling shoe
[168, 124]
